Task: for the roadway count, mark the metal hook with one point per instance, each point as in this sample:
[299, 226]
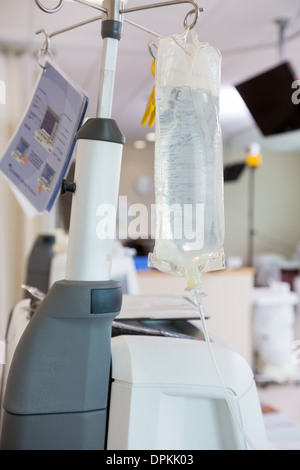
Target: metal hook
[50, 10]
[65, 30]
[150, 47]
[190, 13]
[196, 10]
[61, 4]
[45, 49]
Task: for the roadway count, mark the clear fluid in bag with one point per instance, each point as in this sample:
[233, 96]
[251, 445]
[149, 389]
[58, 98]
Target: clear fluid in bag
[188, 183]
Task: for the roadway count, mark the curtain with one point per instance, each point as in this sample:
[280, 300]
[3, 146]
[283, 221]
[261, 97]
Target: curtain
[18, 71]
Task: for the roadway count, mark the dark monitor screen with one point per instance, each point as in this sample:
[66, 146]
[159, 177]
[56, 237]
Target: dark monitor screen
[233, 172]
[269, 99]
[50, 122]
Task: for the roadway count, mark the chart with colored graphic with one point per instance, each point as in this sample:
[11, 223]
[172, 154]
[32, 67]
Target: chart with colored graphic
[38, 156]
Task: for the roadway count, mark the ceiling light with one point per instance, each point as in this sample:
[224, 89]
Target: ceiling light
[150, 137]
[140, 144]
[232, 106]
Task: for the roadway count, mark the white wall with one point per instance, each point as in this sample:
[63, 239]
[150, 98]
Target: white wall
[277, 198]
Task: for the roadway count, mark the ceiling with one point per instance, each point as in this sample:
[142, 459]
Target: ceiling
[245, 32]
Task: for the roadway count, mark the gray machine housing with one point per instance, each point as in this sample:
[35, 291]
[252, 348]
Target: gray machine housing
[58, 387]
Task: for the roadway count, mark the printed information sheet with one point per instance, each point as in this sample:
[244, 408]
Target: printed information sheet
[38, 156]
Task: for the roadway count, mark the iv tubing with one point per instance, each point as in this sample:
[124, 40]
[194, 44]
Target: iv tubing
[198, 298]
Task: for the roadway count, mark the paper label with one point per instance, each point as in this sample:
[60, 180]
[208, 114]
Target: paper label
[38, 156]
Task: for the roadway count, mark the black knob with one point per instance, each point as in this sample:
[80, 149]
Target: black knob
[67, 187]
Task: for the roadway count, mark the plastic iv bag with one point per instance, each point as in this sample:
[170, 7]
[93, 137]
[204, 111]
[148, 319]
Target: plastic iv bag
[189, 180]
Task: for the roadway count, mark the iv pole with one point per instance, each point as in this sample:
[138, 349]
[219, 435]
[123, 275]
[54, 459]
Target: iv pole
[57, 391]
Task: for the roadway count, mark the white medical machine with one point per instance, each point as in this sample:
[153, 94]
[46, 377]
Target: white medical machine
[154, 385]
[164, 393]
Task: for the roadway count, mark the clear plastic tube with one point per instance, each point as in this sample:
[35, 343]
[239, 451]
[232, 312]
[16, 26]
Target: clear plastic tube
[198, 299]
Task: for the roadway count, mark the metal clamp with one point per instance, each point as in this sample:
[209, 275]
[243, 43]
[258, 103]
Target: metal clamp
[36, 298]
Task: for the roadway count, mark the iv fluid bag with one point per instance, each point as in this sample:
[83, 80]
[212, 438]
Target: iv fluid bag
[189, 180]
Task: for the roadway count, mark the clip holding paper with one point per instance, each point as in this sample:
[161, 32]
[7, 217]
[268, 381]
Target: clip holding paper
[150, 113]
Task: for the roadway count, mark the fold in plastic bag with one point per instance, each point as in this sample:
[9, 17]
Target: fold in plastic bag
[188, 160]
